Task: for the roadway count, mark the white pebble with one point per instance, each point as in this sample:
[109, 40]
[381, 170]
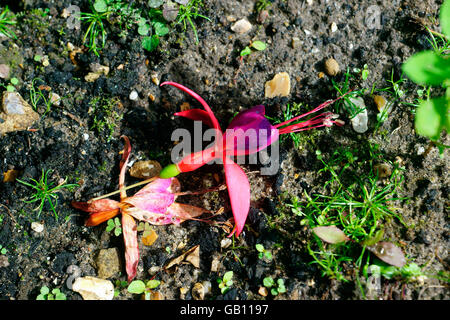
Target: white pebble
[420, 150]
[37, 227]
[85, 136]
[334, 27]
[241, 26]
[134, 95]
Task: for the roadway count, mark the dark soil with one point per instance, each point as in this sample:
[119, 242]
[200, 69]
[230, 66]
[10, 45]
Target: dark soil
[65, 142]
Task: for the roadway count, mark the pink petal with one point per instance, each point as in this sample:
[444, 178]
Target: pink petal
[123, 165]
[154, 197]
[196, 114]
[239, 192]
[129, 231]
[200, 99]
[155, 218]
[182, 212]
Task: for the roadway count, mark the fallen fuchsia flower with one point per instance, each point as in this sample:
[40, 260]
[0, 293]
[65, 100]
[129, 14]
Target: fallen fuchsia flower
[249, 132]
[154, 203]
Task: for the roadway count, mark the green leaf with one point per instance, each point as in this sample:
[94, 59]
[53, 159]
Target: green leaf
[117, 222]
[376, 238]
[161, 28]
[444, 16]
[427, 68]
[268, 255]
[246, 51]
[40, 297]
[117, 231]
[136, 286]
[259, 247]
[152, 284]
[330, 234]
[155, 3]
[14, 81]
[227, 276]
[150, 43]
[60, 296]
[143, 29]
[259, 45]
[431, 117]
[45, 290]
[100, 6]
[274, 291]
[37, 58]
[268, 282]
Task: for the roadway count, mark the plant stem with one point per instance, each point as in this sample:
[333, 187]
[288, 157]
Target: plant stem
[123, 189]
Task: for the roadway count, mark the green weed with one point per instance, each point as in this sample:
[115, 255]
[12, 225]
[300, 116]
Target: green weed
[45, 193]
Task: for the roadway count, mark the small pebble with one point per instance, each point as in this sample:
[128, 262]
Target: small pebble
[4, 261]
[37, 227]
[295, 42]
[383, 170]
[133, 95]
[4, 71]
[420, 150]
[225, 243]
[380, 102]
[91, 288]
[262, 16]
[331, 67]
[359, 122]
[198, 292]
[241, 26]
[280, 85]
[153, 270]
[145, 169]
[263, 291]
[55, 99]
[155, 79]
[334, 27]
[85, 136]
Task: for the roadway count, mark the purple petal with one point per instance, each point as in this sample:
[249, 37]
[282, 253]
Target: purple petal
[249, 132]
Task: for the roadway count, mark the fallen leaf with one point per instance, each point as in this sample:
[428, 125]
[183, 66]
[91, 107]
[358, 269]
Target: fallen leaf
[330, 234]
[10, 175]
[192, 256]
[389, 253]
[149, 237]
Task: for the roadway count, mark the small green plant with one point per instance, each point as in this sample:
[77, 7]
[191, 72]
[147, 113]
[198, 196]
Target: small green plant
[55, 294]
[140, 287]
[106, 115]
[410, 272]
[45, 193]
[7, 19]
[37, 95]
[12, 83]
[275, 288]
[262, 252]
[364, 73]
[226, 282]
[95, 19]
[358, 204]
[3, 250]
[189, 12]
[119, 285]
[114, 224]
[432, 68]
[263, 5]
[257, 45]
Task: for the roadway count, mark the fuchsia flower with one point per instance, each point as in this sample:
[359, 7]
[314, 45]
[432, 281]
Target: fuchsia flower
[154, 203]
[236, 142]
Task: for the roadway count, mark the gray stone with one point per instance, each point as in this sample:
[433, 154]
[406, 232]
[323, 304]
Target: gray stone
[4, 71]
[16, 113]
[108, 263]
[359, 122]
